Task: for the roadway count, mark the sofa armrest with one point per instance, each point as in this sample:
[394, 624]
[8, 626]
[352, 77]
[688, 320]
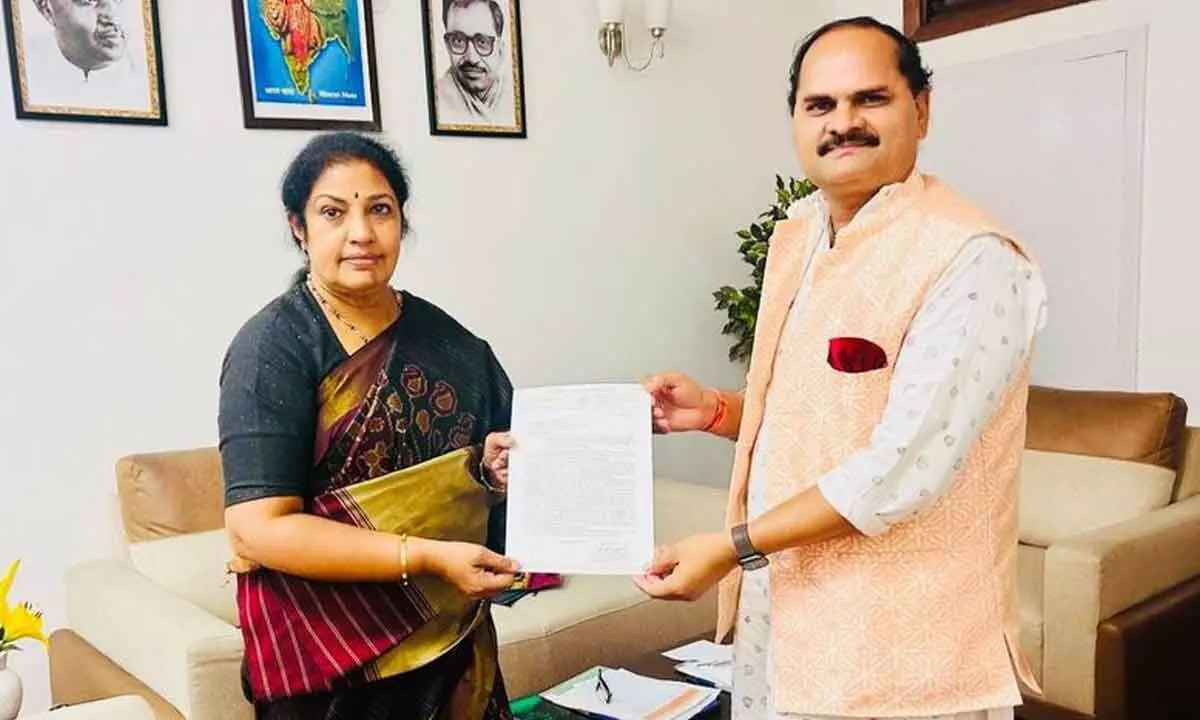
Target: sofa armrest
[1146, 657]
[1094, 576]
[123, 707]
[188, 656]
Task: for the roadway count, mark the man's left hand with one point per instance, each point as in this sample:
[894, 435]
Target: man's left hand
[687, 569]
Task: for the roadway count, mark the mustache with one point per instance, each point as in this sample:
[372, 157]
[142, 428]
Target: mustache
[108, 24]
[468, 65]
[854, 137]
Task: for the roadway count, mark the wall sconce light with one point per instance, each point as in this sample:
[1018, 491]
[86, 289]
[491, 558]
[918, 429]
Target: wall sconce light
[612, 30]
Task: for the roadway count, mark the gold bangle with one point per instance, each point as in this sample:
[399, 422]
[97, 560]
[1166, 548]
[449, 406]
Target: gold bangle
[404, 558]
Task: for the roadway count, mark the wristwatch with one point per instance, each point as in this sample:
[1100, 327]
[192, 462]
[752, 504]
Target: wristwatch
[748, 557]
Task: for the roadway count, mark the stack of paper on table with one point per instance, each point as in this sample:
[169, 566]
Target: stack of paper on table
[633, 697]
[706, 661]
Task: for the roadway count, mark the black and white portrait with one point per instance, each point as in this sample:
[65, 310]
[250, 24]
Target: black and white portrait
[474, 67]
[86, 59]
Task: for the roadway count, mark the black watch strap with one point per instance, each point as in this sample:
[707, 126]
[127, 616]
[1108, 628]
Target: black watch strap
[748, 556]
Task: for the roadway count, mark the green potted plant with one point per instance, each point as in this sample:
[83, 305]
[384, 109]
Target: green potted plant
[741, 306]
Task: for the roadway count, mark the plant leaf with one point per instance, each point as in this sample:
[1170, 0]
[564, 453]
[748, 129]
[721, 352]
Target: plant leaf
[741, 306]
[725, 297]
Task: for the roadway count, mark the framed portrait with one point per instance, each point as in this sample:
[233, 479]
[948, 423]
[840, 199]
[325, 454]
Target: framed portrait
[473, 67]
[307, 64]
[86, 60]
[929, 19]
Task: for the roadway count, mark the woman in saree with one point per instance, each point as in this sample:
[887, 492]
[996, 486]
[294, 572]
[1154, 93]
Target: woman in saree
[363, 443]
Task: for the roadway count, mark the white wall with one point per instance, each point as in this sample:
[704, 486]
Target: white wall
[1169, 352]
[131, 255]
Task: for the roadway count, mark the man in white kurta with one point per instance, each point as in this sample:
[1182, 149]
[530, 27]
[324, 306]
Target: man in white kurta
[944, 384]
[860, 105]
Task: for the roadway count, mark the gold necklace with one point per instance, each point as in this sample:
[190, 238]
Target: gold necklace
[312, 287]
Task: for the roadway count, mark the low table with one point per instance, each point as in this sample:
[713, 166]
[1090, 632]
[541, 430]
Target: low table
[652, 665]
[656, 666]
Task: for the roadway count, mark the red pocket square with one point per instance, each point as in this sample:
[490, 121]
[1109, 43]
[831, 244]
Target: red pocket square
[855, 355]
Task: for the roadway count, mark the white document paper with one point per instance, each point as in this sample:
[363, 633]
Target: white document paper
[580, 488]
[719, 676]
[707, 661]
[702, 651]
[631, 696]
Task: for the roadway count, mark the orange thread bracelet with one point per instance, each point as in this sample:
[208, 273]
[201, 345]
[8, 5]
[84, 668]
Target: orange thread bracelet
[719, 415]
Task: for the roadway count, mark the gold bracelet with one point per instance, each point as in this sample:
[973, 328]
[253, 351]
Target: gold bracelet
[404, 558]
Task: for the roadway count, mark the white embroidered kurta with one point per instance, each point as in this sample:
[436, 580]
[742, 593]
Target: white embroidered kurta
[962, 349]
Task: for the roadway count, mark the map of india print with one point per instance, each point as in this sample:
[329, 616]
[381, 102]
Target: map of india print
[305, 51]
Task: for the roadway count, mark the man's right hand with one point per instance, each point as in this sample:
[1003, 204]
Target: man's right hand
[679, 403]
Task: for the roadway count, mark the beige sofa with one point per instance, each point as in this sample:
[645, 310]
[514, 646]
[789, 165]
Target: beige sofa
[1109, 556]
[160, 620]
[1108, 564]
[122, 707]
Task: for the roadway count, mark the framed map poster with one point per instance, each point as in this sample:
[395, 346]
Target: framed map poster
[86, 60]
[307, 64]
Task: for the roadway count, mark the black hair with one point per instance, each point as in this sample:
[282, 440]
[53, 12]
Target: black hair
[330, 149]
[908, 55]
[497, 13]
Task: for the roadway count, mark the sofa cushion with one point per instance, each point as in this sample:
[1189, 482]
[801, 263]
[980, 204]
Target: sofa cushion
[193, 567]
[1188, 483]
[170, 493]
[1063, 495]
[79, 674]
[1031, 568]
[185, 654]
[682, 509]
[1141, 427]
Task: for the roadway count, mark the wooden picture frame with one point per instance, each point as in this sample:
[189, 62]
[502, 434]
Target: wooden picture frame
[457, 101]
[332, 83]
[930, 19]
[99, 62]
